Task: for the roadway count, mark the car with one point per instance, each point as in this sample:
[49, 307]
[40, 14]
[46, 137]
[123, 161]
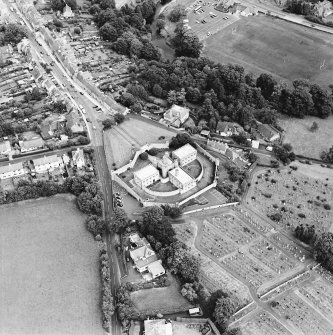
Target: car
[120, 205]
[81, 93]
[80, 106]
[117, 193]
[88, 120]
[118, 198]
[72, 85]
[94, 127]
[42, 52]
[95, 106]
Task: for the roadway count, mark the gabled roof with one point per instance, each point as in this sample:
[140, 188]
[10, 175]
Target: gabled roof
[156, 268]
[11, 167]
[146, 172]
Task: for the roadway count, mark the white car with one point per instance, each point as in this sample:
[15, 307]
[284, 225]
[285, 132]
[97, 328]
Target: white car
[94, 127]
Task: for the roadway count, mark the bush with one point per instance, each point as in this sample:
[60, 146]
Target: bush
[275, 217]
[153, 152]
[327, 207]
[143, 156]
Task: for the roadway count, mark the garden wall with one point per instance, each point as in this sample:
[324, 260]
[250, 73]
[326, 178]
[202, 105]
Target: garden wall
[211, 207]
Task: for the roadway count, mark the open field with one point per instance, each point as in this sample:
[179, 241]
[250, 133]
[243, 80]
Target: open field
[264, 44]
[296, 197]
[165, 300]
[305, 142]
[49, 270]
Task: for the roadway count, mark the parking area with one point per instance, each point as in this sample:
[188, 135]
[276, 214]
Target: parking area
[204, 20]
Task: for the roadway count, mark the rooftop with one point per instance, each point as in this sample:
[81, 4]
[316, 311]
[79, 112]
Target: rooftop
[146, 172]
[47, 160]
[175, 109]
[5, 146]
[11, 167]
[156, 268]
[181, 175]
[184, 151]
[157, 327]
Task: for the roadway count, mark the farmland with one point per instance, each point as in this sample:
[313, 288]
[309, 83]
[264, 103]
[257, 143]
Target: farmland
[305, 142]
[264, 44]
[295, 196]
[49, 279]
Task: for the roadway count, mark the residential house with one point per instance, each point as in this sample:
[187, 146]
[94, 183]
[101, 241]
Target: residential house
[146, 176]
[12, 170]
[5, 148]
[78, 158]
[74, 122]
[176, 115]
[47, 163]
[144, 257]
[228, 128]
[267, 132]
[31, 145]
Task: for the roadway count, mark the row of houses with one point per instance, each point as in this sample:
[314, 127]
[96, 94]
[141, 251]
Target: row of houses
[43, 164]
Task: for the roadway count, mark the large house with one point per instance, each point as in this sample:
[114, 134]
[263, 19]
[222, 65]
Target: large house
[31, 145]
[47, 163]
[146, 176]
[5, 148]
[176, 115]
[183, 181]
[185, 154]
[144, 257]
[12, 170]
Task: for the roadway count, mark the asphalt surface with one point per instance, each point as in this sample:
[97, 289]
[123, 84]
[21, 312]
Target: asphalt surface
[43, 52]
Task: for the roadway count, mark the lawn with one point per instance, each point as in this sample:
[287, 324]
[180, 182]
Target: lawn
[165, 300]
[305, 142]
[49, 269]
[264, 44]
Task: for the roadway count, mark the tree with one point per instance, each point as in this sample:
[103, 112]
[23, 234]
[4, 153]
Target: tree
[324, 250]
[144, 156]
[14, 33]
[224, 309]
[108, 123]
[189, 292]
[108, 32]
[284, 153]
[59, 107]
[327, 156]
[95, 224]
[160, 24]
[314, 126]
[127, 99]
[233, 331]
[186, 43]
[179, 140]
[176, 13]
[267, 85]
[119, 220]
[119, 118]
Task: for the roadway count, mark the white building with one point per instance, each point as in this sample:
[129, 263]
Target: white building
[186, 154]
[5, 148]
[181, 180]
[47, 163]
[146, 176]
[78, 158]
[67, 12]
[12, 170]
[176, 115]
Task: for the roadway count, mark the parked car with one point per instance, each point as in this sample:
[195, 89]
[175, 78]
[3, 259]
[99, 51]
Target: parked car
[119, 204]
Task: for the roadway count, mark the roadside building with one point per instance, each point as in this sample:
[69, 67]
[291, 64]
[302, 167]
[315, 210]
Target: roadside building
[146, 176]
[31, 145]
[181, 179]
[176, 115]
[12, 170]
[47, 163]
[185, 154]
[78, 158]
[5, 148]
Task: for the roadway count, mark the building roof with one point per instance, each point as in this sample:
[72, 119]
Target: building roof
[266, 130]
[11, 167]
[157, 327]
[205, 132]
[35, 142]
[155, 268]
[223, 126]
[146, 172]
[78, 155]
[176, 110]
[255, 144]
[184, 151]
[47, 160]
[143, 256]
[181, 175]
[5, 146]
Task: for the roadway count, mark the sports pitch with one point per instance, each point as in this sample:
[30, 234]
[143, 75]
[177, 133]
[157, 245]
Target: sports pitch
[264, 44]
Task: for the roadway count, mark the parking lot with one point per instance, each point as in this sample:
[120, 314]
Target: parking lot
[207, 21]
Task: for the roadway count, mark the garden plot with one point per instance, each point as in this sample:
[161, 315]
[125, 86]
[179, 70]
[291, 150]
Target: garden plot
[300, 315]
[287, 245]
[214, 277]
[320, 293]
[263, 324]
[293, 199]
[272, 257]
[248, 269]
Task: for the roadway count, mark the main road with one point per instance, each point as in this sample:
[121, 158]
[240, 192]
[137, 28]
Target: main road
[80, 96]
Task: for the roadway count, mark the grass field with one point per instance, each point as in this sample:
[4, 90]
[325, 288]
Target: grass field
[49, 270]
[305, 142]
[264, 44]
[165, 300]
